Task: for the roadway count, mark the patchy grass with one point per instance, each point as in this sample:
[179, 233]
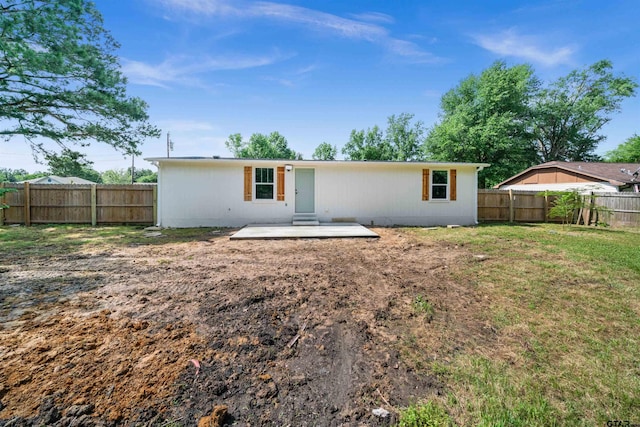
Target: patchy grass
[45, 239]
[430, 414]
[422, 305]
[566, 307]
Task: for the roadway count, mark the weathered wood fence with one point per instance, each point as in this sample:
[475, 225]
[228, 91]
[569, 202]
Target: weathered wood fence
[530, 206]
[79, 204]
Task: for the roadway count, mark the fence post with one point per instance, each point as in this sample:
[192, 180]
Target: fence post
[546, 207]
[27, 204]
[94, 208]
[155, 204]
[2, 199]
[511, 209]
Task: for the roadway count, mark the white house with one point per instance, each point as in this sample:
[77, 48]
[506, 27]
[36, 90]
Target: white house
[199, 191]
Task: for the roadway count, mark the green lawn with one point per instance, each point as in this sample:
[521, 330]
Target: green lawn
[565, 303]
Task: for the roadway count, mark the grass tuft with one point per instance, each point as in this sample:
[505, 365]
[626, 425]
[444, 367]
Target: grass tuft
[430, 414]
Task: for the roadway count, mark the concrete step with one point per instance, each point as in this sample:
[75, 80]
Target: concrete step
[304, 216]
[305, 219]
[306, 222]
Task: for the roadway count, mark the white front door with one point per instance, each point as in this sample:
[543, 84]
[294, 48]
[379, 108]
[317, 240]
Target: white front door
[305, 190]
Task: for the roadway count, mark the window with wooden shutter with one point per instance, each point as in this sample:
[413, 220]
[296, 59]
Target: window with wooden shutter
[280, 179]
[248, 194]
[452, 184]
[425, 184]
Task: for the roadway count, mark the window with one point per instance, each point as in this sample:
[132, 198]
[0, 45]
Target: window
[264, 183]
[439, 184]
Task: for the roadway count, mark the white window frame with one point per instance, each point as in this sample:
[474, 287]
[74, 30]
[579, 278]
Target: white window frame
[433, 185]
[256, 183]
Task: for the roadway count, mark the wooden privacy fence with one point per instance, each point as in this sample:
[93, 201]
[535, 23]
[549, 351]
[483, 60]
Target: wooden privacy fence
[137, 204]
[530, 206]
[80, 204]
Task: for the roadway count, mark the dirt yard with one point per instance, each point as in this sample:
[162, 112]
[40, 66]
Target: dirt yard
[283, 332]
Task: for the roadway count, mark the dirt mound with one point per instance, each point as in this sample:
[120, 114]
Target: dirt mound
[302, 332]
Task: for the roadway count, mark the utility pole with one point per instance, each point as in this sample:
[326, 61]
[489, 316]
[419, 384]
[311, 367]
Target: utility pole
[132, 168]
[169, 145]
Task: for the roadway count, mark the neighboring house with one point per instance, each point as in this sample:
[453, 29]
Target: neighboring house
[53, 179]
[200, 191]
[582, 176]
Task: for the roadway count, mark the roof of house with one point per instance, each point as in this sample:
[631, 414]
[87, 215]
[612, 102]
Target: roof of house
[54, 179]
[216, 159]
[614, 173]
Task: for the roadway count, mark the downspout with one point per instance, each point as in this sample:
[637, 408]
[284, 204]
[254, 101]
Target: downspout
[475, 195]
[158, 195]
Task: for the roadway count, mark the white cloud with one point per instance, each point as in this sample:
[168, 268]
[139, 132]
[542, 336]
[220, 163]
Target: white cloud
[381, 18]
[366, 26]
[183, 70]
[319, 20]
[306, 70]
[509, 43]
[410, 51]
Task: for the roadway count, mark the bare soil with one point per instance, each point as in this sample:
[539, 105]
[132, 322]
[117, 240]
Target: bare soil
[283, 332]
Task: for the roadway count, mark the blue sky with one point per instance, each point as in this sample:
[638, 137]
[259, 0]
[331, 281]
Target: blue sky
[315, 70]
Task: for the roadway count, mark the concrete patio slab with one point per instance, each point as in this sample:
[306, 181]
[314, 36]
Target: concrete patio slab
[288, 231]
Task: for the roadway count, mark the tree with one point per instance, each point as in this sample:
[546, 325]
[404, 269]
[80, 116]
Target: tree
[484, 119]
[60, 79]
[72, 163]
[144, 175]
[325, 151]
[401, 141]
[15, 175]
[568, 115]
[272, 146]
[627, 152]
[149, 178]
[406, 141]
[116, 176]
[367, 145]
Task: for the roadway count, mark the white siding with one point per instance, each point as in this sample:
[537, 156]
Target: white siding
[197, 195]
[390, 194]
[193, 194]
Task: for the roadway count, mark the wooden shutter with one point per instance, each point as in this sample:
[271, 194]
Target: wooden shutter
[248, 194]
[453, 194]
[280, 179]
[425, 184]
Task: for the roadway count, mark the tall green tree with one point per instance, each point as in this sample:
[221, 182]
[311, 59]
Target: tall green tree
[367, 145]
[402, 141]
[60, 79]
[405, 139]
[325, 151]
[72, 163]
[484, 119]
[569, 114]
[627, 152]
[259, 146]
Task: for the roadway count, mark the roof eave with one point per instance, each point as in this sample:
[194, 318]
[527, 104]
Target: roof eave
[156, 161]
